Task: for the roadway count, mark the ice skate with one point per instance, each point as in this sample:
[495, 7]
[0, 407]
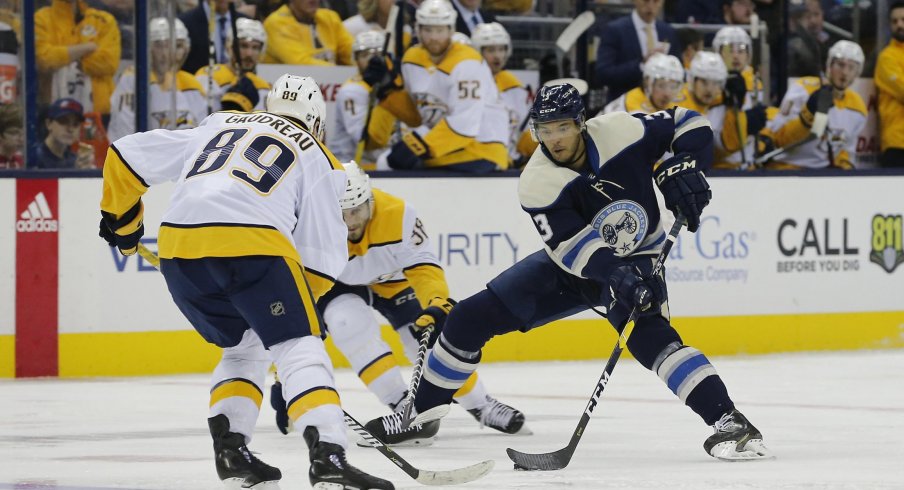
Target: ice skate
[330, 470]
[736, 439]
[502, 417]
[391, 430]
[236, 466]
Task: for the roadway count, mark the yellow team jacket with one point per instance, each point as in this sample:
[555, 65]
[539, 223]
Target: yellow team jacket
[55, 31]
[293, 43]
[514, 96]
[889, 79]
[388, 242]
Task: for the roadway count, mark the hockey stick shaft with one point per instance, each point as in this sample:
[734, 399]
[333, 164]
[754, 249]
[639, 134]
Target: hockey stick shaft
[419, 363]
[559, 459]
[371, 102]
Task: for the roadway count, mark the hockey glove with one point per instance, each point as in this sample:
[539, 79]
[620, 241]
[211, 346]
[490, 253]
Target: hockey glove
[435, 315]
[278, 402]
[409, 153]
[242, 96]
[630, 289]
[735, 89]
[756, 118]
[819, 101]
[684, 188]
[376, 73]
[124, 232]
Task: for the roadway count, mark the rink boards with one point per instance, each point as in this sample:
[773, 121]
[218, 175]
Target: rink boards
[779, 264]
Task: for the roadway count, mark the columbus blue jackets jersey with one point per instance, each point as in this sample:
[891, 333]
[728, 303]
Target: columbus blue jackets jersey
[592, 219]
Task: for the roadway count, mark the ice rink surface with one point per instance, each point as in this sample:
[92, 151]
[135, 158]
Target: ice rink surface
[834, 420]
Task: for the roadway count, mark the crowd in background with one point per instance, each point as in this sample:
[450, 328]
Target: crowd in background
[85, 62]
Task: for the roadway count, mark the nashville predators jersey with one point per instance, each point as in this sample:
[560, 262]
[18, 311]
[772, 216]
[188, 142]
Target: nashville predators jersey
[245, 184]
[735, 158]
[462, 115]
[516, 99]
[223, 79]
[838, 145]
[632, 102]
[724, 123]
[394, 252]
[190, 104]
[591, 219]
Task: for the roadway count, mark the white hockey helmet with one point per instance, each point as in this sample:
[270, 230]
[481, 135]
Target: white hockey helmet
[490, 34]
[369, 41]
[729, 36]
[663, 66]
[357, 188]
[707, 66]
[159, 30]
[299, 98]
[436, 13]
[461, 38]
[250, 29]
[846, 50]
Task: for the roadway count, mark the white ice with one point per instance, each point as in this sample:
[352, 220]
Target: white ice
[834, 420]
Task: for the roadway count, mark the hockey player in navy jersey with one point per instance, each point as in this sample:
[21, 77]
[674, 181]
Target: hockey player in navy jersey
[589, 190]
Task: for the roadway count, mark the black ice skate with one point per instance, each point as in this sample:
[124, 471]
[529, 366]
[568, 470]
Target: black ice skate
[499, 416]
[330, 471]
[736, 439]
[389, 430]
[236, 466]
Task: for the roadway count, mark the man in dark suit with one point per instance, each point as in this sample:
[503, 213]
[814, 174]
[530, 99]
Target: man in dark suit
[469, 15]
[628, 41]
[195, 21]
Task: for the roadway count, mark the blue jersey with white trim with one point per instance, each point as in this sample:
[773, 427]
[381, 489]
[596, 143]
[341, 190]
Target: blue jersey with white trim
[592, 219]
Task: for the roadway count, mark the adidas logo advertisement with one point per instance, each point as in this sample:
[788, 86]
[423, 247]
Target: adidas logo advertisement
[37, 217]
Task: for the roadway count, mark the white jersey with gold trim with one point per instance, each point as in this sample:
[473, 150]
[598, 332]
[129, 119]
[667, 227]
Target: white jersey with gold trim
[190, 105]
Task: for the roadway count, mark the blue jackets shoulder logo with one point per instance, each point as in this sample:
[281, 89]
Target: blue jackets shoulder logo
[623, 225]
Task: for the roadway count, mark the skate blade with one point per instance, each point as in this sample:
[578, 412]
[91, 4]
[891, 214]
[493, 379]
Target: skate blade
[524, 431]
[434, 413]
[424, 441]
[328, 486]
[754, 450]
[239, 484]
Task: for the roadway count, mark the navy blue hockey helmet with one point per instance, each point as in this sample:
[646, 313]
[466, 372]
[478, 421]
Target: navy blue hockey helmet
[555, 103]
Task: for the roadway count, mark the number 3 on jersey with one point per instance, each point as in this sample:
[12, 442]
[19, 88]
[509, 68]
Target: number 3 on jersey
[543, 226]
[267, 153]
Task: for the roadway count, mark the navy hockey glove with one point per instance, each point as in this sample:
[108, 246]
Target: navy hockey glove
[124, 232]
[278, 402]
[376, 73]
[735, 89]
[409, 153]
[684, 188]
[434, 314]
[756, 118]
[630, 289]
[241, 96]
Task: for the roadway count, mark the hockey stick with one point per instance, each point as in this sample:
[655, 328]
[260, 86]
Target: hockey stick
[426, 477]
[211, 54]
[419, 363]
[371, 102]
[557, 460]
[570, 36]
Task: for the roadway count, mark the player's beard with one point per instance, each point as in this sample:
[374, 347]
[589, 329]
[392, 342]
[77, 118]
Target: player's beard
[898, 34]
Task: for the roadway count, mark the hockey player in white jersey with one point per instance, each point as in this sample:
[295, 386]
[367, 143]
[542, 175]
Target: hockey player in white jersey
[663, 77]
[465, 126]
[393, 269]
[837, 146]
[252, 237]
[495, 44]
[252, 43]
[589, 189]
[165, 77]
[703, 93]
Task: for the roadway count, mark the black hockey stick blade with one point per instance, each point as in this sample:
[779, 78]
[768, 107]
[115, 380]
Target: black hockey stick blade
[557, 460]
[425, 477]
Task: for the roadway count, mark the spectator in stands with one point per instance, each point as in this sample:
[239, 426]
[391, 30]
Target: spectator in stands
[808, 43]
[123, 11]
[302, 33]
[691, 42]
[626, 43]
[373, 15]
[64, 125]
[470, 15]
[889, 78]
[75, 46]
[737, 12]
[197, 23]
[12, 137]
